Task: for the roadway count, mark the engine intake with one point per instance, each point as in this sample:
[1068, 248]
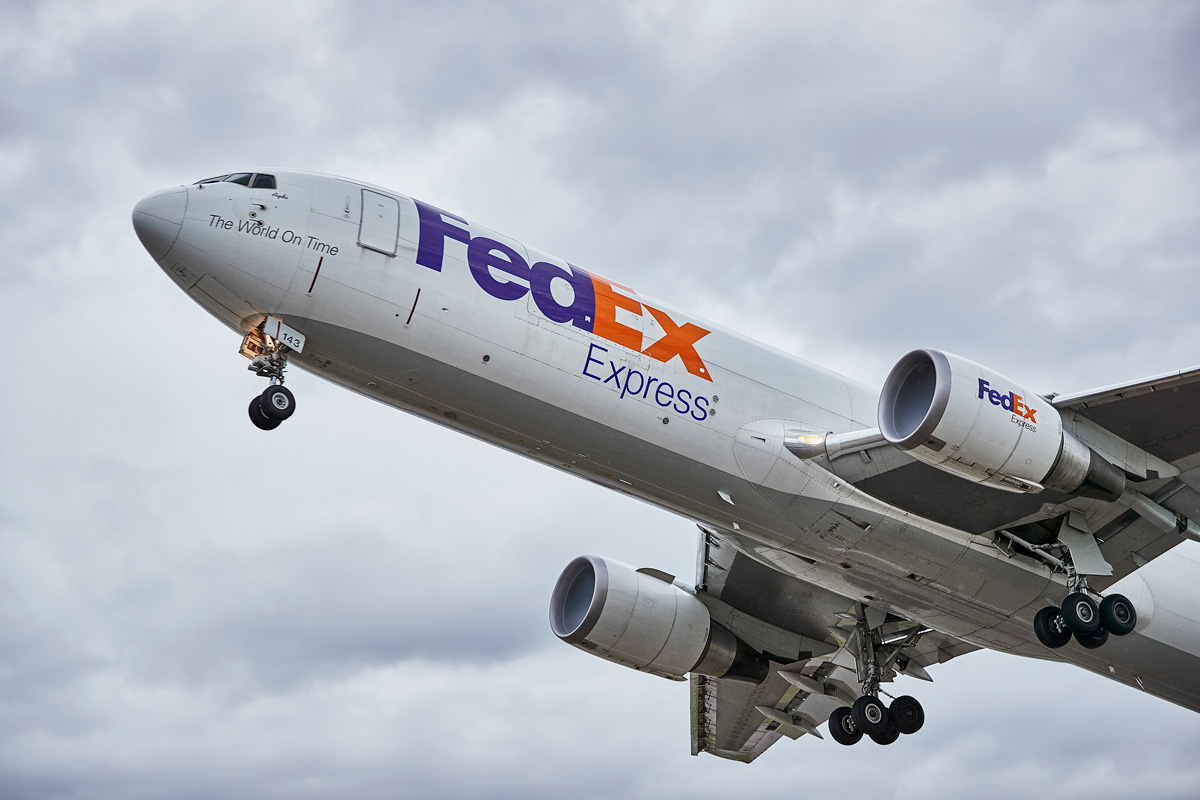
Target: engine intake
[968, 420]
[613, 611]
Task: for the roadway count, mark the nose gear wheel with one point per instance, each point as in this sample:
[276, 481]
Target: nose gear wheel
[259, 417]
[277, 402]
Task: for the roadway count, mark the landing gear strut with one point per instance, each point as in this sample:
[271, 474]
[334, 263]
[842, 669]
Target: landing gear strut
[1076, 552]
[880, 654]
[269, 360]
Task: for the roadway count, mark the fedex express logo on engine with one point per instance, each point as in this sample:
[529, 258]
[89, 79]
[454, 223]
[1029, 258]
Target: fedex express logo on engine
[504, 273]
[1009, 402]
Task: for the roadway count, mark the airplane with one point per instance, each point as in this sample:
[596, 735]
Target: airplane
[846, 536]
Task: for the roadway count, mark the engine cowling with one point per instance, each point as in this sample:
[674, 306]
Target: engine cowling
[613, 611]
[971, 421]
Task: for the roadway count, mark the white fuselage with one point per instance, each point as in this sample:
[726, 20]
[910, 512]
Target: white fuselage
[476, 331]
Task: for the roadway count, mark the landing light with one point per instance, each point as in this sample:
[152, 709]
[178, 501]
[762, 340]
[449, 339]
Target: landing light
[806, 445]
[832, 445]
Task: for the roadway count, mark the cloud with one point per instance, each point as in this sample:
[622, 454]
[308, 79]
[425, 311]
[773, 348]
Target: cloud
[355, 604]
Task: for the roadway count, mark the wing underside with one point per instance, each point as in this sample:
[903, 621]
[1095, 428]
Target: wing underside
[739, 721]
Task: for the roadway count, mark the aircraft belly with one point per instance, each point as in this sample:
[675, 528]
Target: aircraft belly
[470, 401]
[1146, 663]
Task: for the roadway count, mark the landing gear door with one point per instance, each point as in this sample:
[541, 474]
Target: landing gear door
[380, 223]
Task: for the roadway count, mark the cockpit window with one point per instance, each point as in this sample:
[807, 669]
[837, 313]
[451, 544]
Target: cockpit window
[249, 179]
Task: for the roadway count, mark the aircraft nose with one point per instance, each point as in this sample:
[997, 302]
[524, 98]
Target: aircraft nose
[157, 220]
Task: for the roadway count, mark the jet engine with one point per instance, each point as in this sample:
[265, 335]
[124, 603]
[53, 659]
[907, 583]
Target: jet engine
[966, 419]
[640, 619]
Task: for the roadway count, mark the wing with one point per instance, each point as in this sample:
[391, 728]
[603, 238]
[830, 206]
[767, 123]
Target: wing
[1160, 415]
[739, 721]
[1146, 422]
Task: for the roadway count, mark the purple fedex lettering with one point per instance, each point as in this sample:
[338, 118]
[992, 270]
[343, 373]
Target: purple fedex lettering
[485, 255]
[583, 295]
[502, 272]
[634, 383]
[436, 227]
[1010, 401]
[590, 360]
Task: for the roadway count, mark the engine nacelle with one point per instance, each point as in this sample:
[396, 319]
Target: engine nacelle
[611, 610]
[966, 419]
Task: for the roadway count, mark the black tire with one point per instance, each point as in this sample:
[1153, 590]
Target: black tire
[261, 421]
[278, 403]
[870, 715]
[1051, 628]
[907, 714]
[1092, 640]
[1081, 614]
[886, 736]
[841, 727]
[1117, 615]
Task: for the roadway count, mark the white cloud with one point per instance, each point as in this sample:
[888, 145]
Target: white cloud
[355, 604]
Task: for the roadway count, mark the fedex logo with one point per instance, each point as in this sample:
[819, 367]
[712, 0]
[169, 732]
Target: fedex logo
[1009, 402]
[503, 273]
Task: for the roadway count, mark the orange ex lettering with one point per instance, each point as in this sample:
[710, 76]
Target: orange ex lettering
[677, 340]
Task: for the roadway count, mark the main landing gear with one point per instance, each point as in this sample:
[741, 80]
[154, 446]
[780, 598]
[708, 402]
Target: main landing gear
[1081, 617]
[1076, 552]
[880, 655]
[883, 724]
[269, 409]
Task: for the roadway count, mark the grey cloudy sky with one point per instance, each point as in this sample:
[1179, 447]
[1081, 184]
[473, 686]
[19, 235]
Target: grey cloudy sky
[355, 605]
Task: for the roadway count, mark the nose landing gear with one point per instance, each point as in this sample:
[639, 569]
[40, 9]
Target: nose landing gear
[268, 359]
